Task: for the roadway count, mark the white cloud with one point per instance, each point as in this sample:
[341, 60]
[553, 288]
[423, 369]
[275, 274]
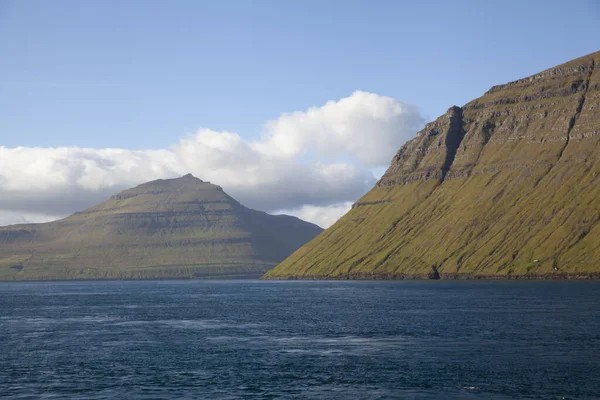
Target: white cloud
[365, 126]
[322, 216]
[312, 163]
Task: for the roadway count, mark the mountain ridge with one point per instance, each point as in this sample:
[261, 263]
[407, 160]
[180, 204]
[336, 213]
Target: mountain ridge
[483, 191]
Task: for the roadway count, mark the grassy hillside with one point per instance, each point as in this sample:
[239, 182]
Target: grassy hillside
[173, 228]
[506, 186]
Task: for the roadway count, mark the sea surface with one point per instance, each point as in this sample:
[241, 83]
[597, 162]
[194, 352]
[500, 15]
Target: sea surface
[300, 340]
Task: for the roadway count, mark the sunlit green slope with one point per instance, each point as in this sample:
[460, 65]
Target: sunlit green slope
[506, 186]
[173, 228]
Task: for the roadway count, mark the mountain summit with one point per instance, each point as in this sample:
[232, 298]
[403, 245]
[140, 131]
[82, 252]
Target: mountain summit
[506, 186]
[168, 228]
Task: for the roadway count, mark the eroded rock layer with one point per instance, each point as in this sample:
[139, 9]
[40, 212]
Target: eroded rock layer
[505, 186]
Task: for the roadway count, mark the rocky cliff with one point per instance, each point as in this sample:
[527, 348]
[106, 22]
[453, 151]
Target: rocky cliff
[506, 186]
[171, 228]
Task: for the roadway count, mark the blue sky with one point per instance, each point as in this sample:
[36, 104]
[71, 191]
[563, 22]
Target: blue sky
[137, 74]
[291, 106]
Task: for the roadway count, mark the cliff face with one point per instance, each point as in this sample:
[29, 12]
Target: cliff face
[505, 186]
[173, 228]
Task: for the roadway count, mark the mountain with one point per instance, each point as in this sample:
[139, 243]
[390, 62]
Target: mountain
[507, 186]
[171, 228]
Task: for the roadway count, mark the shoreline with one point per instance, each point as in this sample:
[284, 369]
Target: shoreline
[592, 276]
[581, 276]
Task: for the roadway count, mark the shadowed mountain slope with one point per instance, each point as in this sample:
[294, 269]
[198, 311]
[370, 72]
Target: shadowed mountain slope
[172, 228]
[506, 186]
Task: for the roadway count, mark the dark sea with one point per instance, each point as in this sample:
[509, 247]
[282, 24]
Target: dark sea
[300, 340]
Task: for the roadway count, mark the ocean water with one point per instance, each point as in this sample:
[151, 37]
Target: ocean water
[299, 340]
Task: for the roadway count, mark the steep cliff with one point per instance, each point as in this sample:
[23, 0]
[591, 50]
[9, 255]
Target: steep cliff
[171, 228]
[506, 186]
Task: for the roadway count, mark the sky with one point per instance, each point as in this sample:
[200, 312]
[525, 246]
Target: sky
[294, 107]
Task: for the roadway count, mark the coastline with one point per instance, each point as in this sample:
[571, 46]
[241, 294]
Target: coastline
[391, 277]
[590, 276]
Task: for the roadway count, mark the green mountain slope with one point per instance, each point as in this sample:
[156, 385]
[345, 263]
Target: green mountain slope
[506, 186]
[173, 228]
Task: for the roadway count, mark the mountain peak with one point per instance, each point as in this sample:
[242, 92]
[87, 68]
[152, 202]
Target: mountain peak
[190, 177]
[164, 193]
[187, 181]
[585, 64]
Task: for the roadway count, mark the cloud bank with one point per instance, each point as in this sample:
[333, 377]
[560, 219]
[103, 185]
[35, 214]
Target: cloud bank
[311, 163]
